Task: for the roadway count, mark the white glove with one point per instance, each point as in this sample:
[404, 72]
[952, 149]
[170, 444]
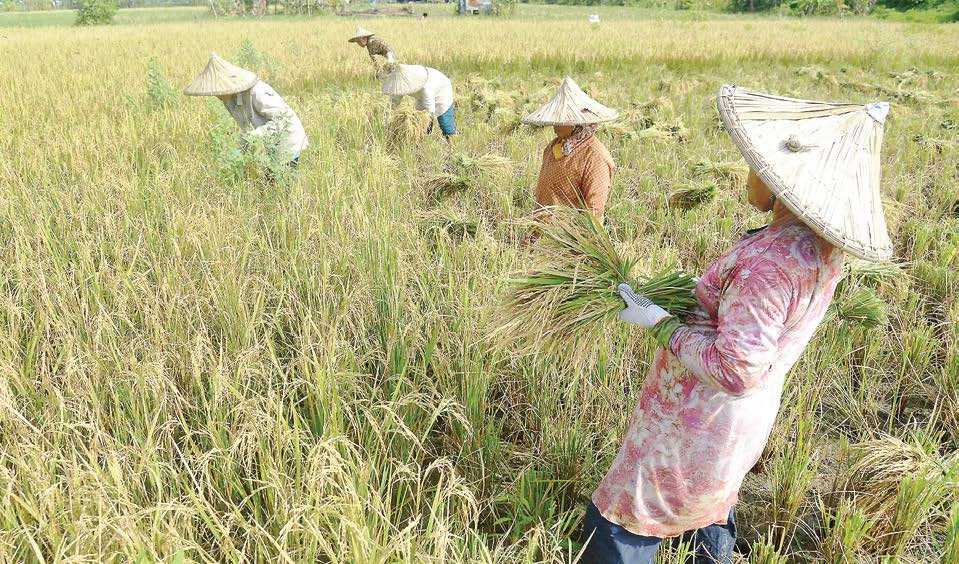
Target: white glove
[639, 309]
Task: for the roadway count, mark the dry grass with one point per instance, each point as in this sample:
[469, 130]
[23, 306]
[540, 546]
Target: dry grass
[199, 366]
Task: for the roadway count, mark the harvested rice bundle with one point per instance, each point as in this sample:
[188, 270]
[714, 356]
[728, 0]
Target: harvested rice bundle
[569, 297]
[655, 133]
[506, 120]
[464, 172]
[407, 128]
[887, 274]
[863, 308]
[456, 227]
[726, 171]
[689, 198]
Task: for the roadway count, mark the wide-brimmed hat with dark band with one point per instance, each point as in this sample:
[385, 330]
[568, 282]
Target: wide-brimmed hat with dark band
[820, 159]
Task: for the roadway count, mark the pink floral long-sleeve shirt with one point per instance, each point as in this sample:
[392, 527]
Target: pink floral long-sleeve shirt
[709, 403]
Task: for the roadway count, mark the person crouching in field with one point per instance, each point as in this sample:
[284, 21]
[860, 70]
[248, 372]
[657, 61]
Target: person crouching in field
[376, 47]
[257, 108]
[577, 168]
[431, 89]
[713, 391]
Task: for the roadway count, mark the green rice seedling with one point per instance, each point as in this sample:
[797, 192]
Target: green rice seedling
[845, 530]
[791, 477]
[950, 552]
[863, 307]
[570, 295]
[764, 551]
[916, 498]
[689, 198]
[676, 553]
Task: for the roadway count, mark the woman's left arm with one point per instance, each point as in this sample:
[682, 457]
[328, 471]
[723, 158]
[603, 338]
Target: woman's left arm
[751, 319]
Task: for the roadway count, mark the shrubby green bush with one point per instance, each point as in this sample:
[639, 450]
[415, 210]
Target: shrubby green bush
[96, 12]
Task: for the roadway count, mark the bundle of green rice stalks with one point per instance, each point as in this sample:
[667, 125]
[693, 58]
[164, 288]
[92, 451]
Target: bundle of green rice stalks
[407, 128]
[464, 172]
[567, 300]
[689, 198]
[884, 274]
[863, 307]
[727, 171]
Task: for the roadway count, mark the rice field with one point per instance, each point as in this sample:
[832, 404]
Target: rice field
[202, 366]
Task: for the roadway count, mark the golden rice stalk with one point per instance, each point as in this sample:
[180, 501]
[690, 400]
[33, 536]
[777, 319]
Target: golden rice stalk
[569, 297]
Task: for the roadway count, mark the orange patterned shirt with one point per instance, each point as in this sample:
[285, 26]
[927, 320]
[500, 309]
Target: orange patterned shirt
[579, 180]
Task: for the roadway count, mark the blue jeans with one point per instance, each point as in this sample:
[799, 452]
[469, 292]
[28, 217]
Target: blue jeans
[611, 544]
[447, 121]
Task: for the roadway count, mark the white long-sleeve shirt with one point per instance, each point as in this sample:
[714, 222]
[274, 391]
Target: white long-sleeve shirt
[261, 111]
[435, 97]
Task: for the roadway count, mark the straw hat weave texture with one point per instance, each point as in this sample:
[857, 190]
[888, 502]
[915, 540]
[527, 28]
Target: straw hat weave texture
[220, 78]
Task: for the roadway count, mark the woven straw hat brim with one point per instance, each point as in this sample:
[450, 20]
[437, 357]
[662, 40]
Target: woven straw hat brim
[570, 106]
[820, 159]
[221, 78]
[405, 79]
[360, 34]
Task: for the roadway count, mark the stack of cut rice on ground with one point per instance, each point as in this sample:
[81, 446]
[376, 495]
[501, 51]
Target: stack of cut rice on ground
[406, 128]
[568, 299]
[462, 172]
[691, 196]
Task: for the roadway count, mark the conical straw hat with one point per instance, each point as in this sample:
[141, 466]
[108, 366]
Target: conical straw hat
[571, 106]
[405, 79]
[360, 34]
[220, 78]
[820, 159]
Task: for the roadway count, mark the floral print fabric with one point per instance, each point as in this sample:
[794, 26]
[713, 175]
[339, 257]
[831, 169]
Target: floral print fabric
[708, 405]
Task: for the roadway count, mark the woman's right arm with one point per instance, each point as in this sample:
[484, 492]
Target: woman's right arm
[751, 319]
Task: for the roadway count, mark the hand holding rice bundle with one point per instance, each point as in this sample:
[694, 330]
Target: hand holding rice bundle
[572, 293]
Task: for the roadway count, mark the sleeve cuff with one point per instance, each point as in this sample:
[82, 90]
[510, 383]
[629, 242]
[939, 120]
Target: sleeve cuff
[663, 331]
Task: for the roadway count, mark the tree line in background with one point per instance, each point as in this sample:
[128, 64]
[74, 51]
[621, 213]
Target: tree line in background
[797, 7]
[102, 11]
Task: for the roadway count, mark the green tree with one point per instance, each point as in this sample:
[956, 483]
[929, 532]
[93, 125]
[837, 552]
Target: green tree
[96, 12]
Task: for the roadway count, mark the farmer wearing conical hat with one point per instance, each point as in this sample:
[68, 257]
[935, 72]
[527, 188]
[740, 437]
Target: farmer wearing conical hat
[431, 89]
[256, 107]
[577, 168]
[376, 47]
[708, 405]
